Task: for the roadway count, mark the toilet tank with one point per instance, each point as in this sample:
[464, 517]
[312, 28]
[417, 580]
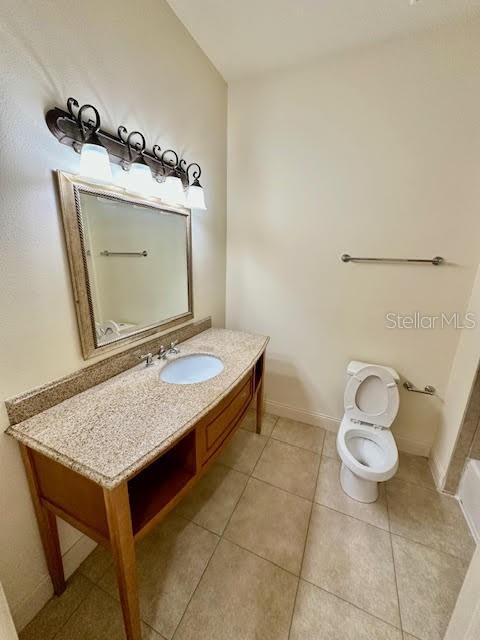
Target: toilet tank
[354, 367]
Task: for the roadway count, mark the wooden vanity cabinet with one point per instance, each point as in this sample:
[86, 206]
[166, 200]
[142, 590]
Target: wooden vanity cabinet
[117, 517]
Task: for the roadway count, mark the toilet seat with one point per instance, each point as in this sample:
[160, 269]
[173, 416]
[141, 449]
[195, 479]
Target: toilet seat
[373, 457]
[384, 416]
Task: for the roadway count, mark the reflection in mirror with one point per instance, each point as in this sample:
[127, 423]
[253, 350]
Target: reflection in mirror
[130, 260]
[137, 265]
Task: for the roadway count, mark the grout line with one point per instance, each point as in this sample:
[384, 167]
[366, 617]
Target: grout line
[420, 485]
[196, 587]
[422, 544]
[273, 437]
[82, 600]
[104, 573]
[254, 553]
[347, 515]
[296, 495]
[369, 613]
[116, 600]
[393, 562]
[220, 538]
[274, 486]
[312, 502]
[305, 543]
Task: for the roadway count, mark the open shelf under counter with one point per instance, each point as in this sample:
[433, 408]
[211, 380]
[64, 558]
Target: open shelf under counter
[159, 486]
[116, 514]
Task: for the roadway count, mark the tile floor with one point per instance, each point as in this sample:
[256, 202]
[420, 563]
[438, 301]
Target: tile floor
[268, 547]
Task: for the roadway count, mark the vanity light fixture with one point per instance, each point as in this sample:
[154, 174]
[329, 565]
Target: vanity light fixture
[137, 176]
[171, 189]
[195, 195]
[150, 173]
[94, 161]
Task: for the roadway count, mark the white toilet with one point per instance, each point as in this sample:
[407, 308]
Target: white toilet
[365, 443]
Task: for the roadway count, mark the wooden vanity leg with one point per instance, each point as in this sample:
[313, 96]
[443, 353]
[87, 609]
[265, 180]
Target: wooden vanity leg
[47, 524]
[259, 405]
[122, 544]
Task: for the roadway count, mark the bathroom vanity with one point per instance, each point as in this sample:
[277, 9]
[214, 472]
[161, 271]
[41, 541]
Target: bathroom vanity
[114, 460]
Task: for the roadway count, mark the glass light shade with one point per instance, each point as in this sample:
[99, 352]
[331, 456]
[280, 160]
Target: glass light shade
[138, 179]
[94, 163]
[196, 198]
[172, 191]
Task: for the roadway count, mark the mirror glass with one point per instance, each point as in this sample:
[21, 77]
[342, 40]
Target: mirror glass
[137, 263]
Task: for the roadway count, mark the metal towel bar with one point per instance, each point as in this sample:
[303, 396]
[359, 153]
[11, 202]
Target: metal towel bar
[437, 260]
[428, 390]
[124, 253]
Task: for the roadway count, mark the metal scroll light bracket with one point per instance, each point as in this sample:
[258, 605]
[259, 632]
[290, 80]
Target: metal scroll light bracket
[436, 261]
[80, 124]
[428, 390]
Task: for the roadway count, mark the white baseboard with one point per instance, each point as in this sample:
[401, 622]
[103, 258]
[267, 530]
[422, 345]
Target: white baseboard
[318, 419]
[415, 447]
[438, 473]
[74, 557]
[28, 608]
[302, 415]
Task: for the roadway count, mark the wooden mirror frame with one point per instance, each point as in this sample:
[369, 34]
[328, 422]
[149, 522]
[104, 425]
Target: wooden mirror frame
[70, 187]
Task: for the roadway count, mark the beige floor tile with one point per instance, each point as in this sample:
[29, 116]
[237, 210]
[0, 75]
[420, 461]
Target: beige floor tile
[330, 493]
[170, 562]
[322, 616]
[353, 560]
[99, 617]
[428, 585]
[272, 523]
[243, 451]
[211, 503]
[268, 422]
[299, 434]
[428, 517]
[240, 596]
[330, 445]
[407, 636]
[96, 564]
[414, 469]
[289, 468]
[58, 610]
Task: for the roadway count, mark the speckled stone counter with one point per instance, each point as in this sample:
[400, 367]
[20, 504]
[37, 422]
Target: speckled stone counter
[111, 430]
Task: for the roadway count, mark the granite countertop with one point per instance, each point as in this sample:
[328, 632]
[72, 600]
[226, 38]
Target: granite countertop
[111, 430]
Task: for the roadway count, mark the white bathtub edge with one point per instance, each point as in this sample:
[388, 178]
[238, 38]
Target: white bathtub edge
[469, 497]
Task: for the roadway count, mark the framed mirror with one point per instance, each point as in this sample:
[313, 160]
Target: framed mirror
[130, 261]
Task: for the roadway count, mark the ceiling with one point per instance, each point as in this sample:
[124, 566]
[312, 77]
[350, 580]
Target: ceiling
[244, 37]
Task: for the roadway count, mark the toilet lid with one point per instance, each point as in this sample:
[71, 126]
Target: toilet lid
[371, 396]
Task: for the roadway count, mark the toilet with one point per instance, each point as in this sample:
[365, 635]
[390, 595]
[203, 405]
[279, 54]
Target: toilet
[365, 443]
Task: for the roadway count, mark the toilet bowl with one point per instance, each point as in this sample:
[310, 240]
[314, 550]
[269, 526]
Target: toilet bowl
[365, 443]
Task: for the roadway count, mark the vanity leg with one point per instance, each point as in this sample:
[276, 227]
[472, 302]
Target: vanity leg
[122, 545]
[47, 524]
[259, 405]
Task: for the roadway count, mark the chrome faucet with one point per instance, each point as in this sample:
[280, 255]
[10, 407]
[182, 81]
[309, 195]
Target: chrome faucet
[172, 348]
[164, 352]
[147, 358]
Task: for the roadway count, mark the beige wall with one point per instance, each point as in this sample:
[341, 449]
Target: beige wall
[459, 387]
[140, 67]
[374, 153]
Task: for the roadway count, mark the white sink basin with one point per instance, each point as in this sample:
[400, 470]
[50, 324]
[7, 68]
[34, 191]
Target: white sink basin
[192, 368]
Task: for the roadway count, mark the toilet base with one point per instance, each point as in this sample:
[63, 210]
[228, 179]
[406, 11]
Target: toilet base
[358, 488]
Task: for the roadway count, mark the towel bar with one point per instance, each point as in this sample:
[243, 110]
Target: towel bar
[124, 253]
[437, 260]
